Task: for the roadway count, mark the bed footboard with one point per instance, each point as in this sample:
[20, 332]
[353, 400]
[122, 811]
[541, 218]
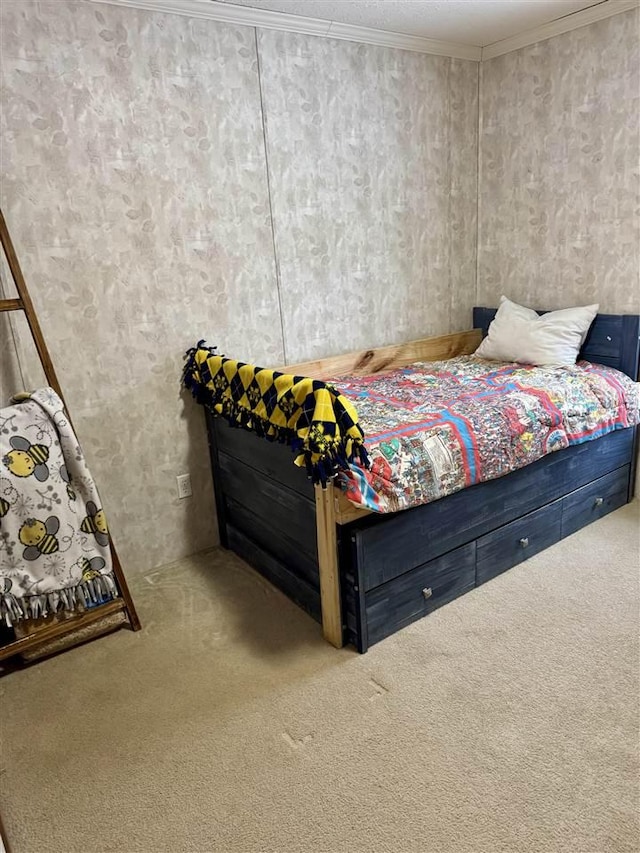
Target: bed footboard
[266, 511]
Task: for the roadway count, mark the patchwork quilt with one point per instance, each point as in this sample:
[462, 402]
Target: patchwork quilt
[54, 542]
[434, 428]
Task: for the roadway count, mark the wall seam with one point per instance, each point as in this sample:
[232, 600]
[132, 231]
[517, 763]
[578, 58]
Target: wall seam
[263, 118]
[478, 181]
[450, 231]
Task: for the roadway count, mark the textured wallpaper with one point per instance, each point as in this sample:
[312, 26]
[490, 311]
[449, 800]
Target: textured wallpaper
[374, 222]
[168, 178]
[559, 179]
[135, 188]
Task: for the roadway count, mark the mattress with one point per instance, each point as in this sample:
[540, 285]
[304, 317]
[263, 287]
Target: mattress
[434, 428]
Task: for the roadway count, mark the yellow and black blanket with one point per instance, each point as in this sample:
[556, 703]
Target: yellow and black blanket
[310, 415]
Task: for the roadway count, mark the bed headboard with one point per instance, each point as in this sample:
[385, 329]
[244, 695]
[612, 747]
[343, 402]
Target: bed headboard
[613, 339]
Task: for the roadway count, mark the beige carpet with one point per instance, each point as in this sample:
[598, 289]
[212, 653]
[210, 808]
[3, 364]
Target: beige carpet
[506, 721]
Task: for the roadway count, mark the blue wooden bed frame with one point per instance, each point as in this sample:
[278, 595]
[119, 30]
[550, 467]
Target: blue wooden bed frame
[365, 576]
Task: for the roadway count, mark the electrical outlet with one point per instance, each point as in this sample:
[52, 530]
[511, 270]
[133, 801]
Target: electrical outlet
[184, 486]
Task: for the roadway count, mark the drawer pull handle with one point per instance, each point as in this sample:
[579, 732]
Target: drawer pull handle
[524, 542]
[598, 502]
[427, 592]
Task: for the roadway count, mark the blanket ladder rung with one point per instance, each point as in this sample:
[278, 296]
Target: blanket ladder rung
[11, 305]
[52, 632]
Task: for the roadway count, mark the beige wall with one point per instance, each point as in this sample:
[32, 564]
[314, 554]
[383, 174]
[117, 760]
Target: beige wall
[362, 146]
[136, 188]
[286, 196]
[559, 180]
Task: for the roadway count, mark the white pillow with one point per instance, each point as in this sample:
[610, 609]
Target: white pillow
[519, 334]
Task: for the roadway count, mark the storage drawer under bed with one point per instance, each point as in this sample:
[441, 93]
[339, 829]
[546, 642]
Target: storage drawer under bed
[403, 600]
[373, 613]
[594, 500]
[517, 541]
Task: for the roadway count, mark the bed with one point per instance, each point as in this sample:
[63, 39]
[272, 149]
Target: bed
[365, 575]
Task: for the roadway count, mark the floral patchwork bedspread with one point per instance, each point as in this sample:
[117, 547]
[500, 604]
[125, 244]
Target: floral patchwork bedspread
[436, 427]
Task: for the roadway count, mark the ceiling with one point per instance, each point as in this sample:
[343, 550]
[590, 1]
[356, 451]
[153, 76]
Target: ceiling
[469, 22]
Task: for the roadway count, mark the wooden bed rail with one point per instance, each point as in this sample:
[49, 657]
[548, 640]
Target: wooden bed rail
[328, 567]
[378, 360]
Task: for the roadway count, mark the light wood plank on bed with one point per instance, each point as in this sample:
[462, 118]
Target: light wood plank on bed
[329, 569]
[370, 361]
[344, 510]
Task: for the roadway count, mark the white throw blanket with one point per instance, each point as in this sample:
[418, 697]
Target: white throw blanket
[54, 542]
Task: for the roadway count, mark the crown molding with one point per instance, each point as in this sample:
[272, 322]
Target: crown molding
[403, 41]
[245, 16]
[561, 25]
[248, 16]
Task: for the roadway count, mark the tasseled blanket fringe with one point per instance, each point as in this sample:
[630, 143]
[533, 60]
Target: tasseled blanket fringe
[331, 455]
[88, 593]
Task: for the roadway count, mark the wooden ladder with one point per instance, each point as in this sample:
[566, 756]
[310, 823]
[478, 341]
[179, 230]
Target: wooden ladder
[125, 602]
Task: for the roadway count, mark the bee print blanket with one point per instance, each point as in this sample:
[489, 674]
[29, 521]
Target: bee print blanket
[54, 542]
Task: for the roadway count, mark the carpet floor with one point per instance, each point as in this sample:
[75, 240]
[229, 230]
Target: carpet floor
[505, 721]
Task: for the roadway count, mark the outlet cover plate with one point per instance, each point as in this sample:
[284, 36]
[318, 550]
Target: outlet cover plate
[184, 486]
